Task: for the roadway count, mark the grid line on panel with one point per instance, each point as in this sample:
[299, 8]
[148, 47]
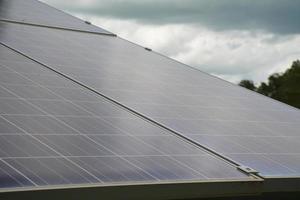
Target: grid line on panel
[30, 170]
[78, 131]
[102, 174]
[175, 160]
[17, 147]
[81, 135]
[262, 156]
[156, 104]
[223, 120]
[18, 172]
[12, 177]
[62, 177]
[186, 119]
[93, 134]
[138, 81]
[225, 158]
[110, 167]
[35, 138]
[68, 134]
[85, 137]
[106, 156]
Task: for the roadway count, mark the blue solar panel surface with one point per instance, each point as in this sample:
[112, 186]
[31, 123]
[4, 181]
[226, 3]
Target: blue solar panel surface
[55, 132]
[248, 128]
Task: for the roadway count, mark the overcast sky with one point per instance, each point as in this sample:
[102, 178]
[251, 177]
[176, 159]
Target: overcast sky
[233, 39]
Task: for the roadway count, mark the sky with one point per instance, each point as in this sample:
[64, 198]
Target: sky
[231, 39]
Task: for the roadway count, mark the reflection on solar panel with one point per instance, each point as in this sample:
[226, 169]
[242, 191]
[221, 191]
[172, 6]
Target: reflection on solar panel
[228, 119]
[86, 139]
[54, 132]
[95, 110]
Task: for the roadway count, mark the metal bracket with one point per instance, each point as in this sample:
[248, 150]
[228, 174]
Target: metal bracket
[247, 170]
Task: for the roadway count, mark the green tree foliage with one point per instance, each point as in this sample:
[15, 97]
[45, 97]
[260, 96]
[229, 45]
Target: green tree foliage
[284, 87]
[247, 84]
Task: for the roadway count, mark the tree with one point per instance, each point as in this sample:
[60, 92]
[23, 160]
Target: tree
[283, 87]
[247, 84]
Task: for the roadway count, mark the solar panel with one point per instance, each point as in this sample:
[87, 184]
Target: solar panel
[38, 13]
[63, 134]
[246, 127]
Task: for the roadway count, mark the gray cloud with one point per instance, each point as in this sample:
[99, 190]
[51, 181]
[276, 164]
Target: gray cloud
[276, 16]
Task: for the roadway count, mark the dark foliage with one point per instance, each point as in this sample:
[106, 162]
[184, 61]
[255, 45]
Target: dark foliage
[284, 87]
[247, 84]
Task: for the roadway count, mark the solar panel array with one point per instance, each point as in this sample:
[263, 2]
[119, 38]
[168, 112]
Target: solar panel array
[248, 128]
[55, 131]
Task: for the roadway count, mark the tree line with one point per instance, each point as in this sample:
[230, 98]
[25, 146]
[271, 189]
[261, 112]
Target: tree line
[284, 87]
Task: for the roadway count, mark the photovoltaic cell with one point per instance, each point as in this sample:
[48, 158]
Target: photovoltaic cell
[51, 135]
[248, 128]
[11, 177]
[35, 12]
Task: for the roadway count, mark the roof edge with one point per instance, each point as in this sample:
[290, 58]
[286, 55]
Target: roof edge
[154, 191]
